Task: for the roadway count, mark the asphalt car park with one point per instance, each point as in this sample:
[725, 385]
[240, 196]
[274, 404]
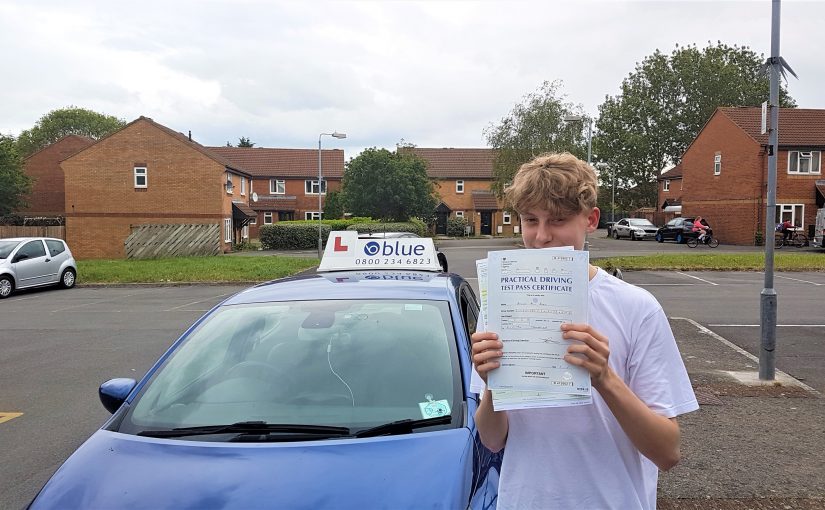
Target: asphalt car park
[59, 346]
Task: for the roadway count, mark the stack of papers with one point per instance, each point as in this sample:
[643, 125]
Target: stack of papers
[526, 295]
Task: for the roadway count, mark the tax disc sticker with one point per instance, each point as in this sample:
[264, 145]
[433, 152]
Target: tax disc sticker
[434, 408]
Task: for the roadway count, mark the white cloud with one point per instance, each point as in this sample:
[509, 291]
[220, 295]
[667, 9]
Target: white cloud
[433, 73]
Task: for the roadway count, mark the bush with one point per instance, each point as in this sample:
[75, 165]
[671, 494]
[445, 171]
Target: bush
[416, 227]
[455, 227]
[302, 234]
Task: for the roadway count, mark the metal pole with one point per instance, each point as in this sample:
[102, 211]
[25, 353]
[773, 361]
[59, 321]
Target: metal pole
[613, 202]
[589, 139]
[768, 298]
[320, 253]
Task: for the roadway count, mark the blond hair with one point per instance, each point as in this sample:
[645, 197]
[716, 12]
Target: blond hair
[559, 183]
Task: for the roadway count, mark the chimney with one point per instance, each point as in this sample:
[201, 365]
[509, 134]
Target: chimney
[190, 135]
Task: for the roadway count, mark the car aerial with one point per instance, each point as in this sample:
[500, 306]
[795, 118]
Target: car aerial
[679, 229]
[27, 262]
[634, 228]
[349, 388]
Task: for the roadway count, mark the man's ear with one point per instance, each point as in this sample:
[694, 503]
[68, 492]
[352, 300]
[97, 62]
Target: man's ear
[593, 220]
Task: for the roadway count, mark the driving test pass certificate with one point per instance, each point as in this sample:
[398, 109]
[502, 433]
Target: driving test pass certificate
[530, 293]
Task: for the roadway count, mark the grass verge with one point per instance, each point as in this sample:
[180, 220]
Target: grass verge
[191, 269]
[715, 262]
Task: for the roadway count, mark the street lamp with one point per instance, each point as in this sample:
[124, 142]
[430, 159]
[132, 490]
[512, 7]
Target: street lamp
[334, 134]
[600, 165]
[579, 118]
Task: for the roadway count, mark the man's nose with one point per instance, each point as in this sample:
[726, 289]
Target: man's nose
[544, 234]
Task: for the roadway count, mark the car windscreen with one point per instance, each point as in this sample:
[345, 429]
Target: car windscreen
[6, 247]
[348, 363]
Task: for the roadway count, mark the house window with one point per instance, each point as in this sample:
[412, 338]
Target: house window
[793, 212]
[140, 177]
[459, 214]
[311, 187]
[803, 162]
[245, 232]
[254, 220]
[717, 164]
[243, 185]
[506, 219]
[277, 187]
[227, 230]
[666, 185]
[268, 218]
[459, 186]
[312, 215]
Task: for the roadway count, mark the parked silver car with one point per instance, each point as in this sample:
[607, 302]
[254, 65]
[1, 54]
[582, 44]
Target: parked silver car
[634, 228]
[35, 261]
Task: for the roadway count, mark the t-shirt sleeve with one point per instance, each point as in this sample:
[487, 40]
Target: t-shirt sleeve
[656, 372]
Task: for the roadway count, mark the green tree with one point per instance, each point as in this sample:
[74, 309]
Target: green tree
[67, 121]
[333, 206]
[244, 142]
[663, 105]
[391, 186]
[14, 183]
[534, 126]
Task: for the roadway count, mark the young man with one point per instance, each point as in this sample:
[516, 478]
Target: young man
[604, 455]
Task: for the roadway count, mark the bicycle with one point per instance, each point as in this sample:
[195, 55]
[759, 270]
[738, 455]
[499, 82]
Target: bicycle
[796, 239]
[708, 240]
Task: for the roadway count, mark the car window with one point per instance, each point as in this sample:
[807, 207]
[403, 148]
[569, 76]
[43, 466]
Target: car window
[34, 249]
[673, 223]
[623, 222]
[6, 247]
[351, 363]
[55, 247]
[641, 222]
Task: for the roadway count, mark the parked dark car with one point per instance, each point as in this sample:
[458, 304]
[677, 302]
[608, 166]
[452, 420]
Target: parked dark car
[678, 229]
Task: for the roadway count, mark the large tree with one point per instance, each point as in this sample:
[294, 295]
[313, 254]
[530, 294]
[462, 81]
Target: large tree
[662, 106]
[391, 186]
[14, 183]
[63, 122]
[534, 126]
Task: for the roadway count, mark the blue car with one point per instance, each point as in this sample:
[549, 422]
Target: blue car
[343, 389]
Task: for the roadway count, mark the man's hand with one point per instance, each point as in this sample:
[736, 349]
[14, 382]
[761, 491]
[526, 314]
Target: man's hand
[486, 352]
[592, 353]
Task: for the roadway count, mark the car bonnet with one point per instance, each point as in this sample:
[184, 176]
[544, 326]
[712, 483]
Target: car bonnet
[114, 470]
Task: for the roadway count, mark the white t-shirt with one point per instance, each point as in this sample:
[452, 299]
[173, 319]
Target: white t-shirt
[579, 457]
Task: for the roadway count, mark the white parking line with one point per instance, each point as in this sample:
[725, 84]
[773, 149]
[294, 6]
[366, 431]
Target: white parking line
[696, 277]
[665, 284]
[199, 301]
[798, 280]
[96, 302]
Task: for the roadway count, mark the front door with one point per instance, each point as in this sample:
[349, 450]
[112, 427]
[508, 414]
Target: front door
[486, 223]
[441, 223]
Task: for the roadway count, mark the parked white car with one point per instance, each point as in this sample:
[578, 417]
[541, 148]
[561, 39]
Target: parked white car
[27, 262]
[634, 228]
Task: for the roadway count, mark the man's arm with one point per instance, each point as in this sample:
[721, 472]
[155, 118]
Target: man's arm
[492, 425]
[655, 436]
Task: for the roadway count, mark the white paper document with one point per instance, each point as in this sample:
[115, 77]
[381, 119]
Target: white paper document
[529, 294]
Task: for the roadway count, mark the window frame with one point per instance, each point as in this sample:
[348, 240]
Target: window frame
[717, 164]
[227, 230]
[797, 212]
[800, 156]
[506, 218]
[137, 175]
[459, 186]
[243, 185]
[666, 185]
[313, 215]
[309, 185]
[269, 214]
[274, 184]
[459, 214]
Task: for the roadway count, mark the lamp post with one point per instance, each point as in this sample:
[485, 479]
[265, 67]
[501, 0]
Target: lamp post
[579, 118]
[334, 134]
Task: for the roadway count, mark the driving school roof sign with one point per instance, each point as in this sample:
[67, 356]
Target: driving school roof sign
[345, 251]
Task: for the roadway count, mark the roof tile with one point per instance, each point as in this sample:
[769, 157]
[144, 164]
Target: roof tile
[450, 163]
[266, 162]
[797, 126]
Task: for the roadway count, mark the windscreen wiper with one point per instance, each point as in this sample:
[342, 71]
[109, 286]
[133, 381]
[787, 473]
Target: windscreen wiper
[253, 428]
[403, 426]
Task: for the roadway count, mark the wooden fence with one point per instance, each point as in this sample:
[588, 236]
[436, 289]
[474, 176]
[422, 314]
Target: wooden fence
[58, 232]
[155, 241]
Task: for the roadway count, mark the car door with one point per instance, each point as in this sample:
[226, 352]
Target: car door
[671, 228]
[57, 254]
[622, 228]
[31, 264]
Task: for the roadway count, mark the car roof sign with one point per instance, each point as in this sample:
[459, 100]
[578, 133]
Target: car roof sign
[346, 252]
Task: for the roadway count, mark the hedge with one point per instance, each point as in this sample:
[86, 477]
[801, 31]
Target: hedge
[302, 234]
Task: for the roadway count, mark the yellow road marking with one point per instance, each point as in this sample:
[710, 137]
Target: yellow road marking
[4, 417]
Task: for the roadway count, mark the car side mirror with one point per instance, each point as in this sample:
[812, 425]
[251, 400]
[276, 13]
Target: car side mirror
[113, 392]
[442, 261]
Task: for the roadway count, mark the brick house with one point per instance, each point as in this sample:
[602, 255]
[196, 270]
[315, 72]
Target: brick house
[47, 197]
[463, 178]
[285, 181]
[724, 171]
[670, 191]
[146, 173]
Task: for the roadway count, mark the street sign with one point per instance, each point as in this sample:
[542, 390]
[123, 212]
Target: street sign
[764, 117]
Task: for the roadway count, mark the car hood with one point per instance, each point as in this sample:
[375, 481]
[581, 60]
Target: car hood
[114, 470]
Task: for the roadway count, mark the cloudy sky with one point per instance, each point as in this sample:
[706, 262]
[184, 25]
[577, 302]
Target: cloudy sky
[433, 73]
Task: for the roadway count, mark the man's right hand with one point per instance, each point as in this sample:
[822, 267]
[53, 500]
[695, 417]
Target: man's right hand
[486, 352]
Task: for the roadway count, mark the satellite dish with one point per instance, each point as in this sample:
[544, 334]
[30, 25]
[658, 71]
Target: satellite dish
[254, 197]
